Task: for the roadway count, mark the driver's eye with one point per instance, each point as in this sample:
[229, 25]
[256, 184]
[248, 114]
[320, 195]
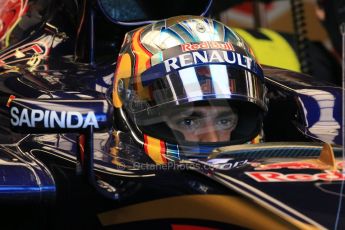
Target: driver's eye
[226, 122]
[188, 123]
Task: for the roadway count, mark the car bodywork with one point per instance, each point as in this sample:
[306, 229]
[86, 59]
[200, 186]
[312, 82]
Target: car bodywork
[57, 166]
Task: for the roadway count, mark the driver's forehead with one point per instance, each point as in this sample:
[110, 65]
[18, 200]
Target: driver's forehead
[208, 110]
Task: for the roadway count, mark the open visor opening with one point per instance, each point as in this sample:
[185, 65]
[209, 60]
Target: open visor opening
[196, 99]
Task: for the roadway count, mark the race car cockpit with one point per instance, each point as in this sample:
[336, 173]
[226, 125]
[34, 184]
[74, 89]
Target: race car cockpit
[169, 116]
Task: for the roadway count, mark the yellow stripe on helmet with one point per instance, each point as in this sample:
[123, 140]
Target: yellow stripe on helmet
[153, 147]
[123, 70]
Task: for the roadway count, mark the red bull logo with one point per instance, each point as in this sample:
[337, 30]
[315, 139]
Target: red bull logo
[291, 165]
[295, 177]
[207, 45]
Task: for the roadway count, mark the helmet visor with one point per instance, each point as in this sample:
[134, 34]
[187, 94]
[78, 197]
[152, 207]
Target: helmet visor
[194, 104]
[190, 85]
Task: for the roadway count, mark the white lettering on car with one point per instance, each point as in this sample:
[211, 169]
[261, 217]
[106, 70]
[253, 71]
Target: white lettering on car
[24, 118]
[52, 119]
[14, 114]
[78, 117]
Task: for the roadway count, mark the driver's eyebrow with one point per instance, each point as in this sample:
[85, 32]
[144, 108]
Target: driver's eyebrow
[226, 113]
[196, 114]
[183, 114]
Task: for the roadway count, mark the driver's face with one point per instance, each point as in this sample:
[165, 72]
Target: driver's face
[203, 123]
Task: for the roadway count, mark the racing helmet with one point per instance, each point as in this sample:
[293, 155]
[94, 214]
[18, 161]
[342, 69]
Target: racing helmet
[185, 85]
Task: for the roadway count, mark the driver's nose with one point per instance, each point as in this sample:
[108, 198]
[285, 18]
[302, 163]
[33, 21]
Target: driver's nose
[209, 134]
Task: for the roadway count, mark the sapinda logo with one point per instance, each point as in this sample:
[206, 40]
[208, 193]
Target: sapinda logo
[52, 119]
